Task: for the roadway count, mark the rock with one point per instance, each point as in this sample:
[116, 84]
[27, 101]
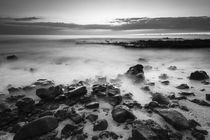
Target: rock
[68, 130]
[7, 117]
[142, 60]
[99, 90]
[36, 128]
[100, 125]
[49, 94]
[208, 97]
[61, 114]
[145, 88]
[95, 138]
[75, 117]
[199, 75]
[193, 123]
[183, 86]
[121, 113]
[4, 108]
[112, 91]
[115, 100]
[92, 105]
[25, 105]
[163, 76]
[198, 135]
[165, 82]
[205, 82]
[184, 108]
[136, 73]
[108, 135]
[152, 105]
[172, 68]
[77, 93]
[92, 117]
[175, 118]
[43, 82]
[200, 102]
[12, 57]
[187, 94]
[161, 99]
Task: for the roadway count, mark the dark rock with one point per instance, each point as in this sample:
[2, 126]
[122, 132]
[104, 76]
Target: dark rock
[115, 100]
[142, 60]
[100, 125]
[187, 94]
[184, 108]
[108, 134]
[61, 114]
[200, 102]
[13, 89]
[68, 130]
[4, 108]
[99, 90]
[7, 117]
[152, 105]
[204, 132]
[136, 72]
[25, 105]
[205, 82]
[165, 82]
[95, 138]
[183, 86]
[92, 117]
[79, 137]
[36, 128]
[78, 92]
[175, 118]
[12, 57]
[50, 93]
[43, 82]
[146, 88]
[193, 123]
[92, 105]
[121, 113]
[199, 75]
[75, 117]
[112, 91]
[161, 99]
[198, 135]
[127, 96]
[208, 97]
[163, 76]
[172, 68]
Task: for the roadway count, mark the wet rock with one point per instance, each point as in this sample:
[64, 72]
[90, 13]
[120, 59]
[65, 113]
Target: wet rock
[95, 138]
[146, 88]
[208, 97]
[163, 76]
[184, 108]
[175, 118]
[172, 68]
[115, 100]
[187, 94]
[100, 125]
[165, 82]
[200, 102]
[92, 117]
[4, 108]
[183, 86]
[112, 91]
[121, 113]
[205, 82]
[79, 137]
[49, 94]
[14, 98]
[77, 93]
[142, 60]
[198, 135]
[68, 130]
[92, 105]
[99, 90]
[13, 89]
[7, 117]
[107, 135]
[127, 96]
[43, 82]
[136, 73]
[152, 105]
[193, 123]
[12, 57]
[61, 114]
[199, 75]
[161, 99]
[25, 105]
[36, 128]
[75, 117]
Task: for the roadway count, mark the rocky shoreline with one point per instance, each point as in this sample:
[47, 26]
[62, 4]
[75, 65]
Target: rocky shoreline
[100, 111]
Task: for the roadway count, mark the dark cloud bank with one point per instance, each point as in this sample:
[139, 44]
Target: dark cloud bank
[31, 25]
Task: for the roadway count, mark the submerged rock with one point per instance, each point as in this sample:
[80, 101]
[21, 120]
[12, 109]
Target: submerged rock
[163, 76]
[36, 128]
[136, 73]
[199, 75]
[172, 68]
[12, 57]
[121, 113]
[175, 118]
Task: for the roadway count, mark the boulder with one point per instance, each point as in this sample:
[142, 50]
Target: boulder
[115, 100]
[100, 125]
[92, 105]
[136, 72]
[161, 99]
[175, 118]
[68, 130]
[49, 94]
[75, 117]
[121, 113]
[199, 75]
[25, 105]
[108, 135]
[208, 97]
[37, 128]
[92, 117]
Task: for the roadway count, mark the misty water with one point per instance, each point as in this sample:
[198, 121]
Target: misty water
[66, 60]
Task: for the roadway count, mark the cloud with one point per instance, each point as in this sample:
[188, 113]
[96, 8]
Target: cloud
[23, 26]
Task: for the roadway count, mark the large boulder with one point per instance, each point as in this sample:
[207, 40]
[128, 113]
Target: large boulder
[175, 118]
[50, 93]
[136, 72]
[121, 113]
[199, 75]
[36, 128]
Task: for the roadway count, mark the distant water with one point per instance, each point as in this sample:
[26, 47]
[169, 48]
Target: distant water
[63, 61]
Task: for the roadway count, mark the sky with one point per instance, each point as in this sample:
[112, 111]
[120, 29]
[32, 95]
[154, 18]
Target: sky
[101, 11]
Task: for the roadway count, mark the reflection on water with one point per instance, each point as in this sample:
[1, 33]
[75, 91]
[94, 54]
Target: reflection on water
[65, 61]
